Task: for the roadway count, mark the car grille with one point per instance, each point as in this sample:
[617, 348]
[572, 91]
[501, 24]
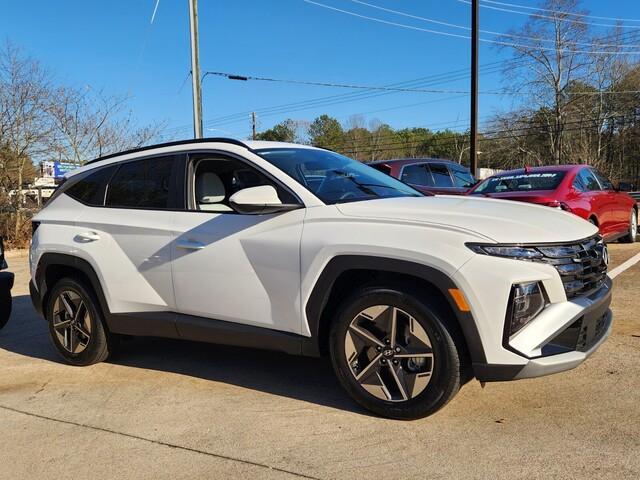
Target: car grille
[582, 265]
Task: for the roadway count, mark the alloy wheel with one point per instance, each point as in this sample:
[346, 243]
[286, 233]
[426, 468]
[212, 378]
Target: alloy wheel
[634, 225]
[389, 353]
[72, 322]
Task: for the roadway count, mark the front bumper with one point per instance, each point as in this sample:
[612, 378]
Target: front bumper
[569, 346]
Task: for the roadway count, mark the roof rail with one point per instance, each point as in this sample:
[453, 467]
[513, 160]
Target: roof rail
[232, 141]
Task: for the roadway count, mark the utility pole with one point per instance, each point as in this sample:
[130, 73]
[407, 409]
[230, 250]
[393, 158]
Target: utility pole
[253, 125]
[473, 150]
[195, 70]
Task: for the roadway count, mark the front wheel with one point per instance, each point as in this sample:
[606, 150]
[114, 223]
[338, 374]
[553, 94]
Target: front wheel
[633, 227]
[394, 353]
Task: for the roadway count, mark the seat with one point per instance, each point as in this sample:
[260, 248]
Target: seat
[210, 193]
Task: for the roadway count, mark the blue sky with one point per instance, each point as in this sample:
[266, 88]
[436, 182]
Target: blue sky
[112, 45]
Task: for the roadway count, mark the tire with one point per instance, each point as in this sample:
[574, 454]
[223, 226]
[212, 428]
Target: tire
[366, 368]
[632, 236]
[5, 307]
[77, 328]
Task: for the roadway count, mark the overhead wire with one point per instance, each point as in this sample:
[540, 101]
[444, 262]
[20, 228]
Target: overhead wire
[489, 32]
[466, 37]
[554, 18]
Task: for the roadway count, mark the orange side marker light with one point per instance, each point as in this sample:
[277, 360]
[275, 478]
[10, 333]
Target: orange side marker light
[458, 297]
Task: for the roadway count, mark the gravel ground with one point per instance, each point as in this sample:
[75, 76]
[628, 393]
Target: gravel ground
[171, 409]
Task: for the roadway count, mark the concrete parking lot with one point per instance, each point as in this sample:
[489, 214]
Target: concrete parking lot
[171, 409]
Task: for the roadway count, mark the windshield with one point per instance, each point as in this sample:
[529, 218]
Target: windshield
[334, 178]
[462, 177]
[520, 182]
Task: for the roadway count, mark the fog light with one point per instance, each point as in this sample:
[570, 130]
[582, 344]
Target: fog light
[527, 301]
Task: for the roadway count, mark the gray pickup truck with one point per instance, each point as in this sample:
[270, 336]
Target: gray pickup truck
[6, 284]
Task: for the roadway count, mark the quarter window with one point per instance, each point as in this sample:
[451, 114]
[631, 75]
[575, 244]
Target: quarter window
[142, 184]
[441, 177]
[90, 190]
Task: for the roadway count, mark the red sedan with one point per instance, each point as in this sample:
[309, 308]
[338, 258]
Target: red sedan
[578, 189]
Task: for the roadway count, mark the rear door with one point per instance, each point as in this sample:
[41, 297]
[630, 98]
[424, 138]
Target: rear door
[619, 211]
[127, 232]
[601, 201]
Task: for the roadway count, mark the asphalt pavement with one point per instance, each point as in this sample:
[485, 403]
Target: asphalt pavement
[172, 409]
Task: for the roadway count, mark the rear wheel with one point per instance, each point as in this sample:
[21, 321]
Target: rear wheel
[394, 353]
[633, 227]
[75, 323]
[5, 307]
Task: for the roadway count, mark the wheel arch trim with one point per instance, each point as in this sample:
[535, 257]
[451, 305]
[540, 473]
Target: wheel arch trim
[322, 289]
[73, 262]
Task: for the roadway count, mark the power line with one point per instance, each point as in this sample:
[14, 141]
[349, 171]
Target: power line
[490, 32]
[466, 37]
[489, 68]
[232, 76]
[388, 147]
[615, 19]
[485, 135]
[555, 18]
[445, 77]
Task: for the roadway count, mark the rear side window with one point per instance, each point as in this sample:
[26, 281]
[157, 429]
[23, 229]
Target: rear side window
[417, 175]
[142, 184]
[90, 190]
[441, 176]
[585, 181]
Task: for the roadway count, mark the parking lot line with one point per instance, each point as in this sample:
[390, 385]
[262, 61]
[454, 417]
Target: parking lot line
[625, 266]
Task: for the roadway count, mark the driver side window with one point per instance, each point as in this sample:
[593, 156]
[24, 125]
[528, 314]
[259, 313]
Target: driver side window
[213, 179]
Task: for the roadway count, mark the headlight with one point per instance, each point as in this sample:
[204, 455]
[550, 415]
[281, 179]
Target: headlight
[525, 253]
[527, 300]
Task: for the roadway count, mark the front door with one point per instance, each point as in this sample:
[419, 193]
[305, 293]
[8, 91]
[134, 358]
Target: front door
[234, 267]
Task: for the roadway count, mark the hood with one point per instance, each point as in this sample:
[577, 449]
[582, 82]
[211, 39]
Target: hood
[502, 221]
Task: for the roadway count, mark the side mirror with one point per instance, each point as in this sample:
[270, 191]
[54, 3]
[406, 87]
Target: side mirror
[259, 200]
[625, 187]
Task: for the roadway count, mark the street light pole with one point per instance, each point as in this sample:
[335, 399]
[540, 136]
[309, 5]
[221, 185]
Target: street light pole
[473, 147]
[195, 70]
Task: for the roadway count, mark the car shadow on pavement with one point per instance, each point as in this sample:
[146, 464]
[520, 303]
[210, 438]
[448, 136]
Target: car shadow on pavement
[302, 378]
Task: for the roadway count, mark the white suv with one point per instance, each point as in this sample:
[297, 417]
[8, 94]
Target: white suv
[299, 249]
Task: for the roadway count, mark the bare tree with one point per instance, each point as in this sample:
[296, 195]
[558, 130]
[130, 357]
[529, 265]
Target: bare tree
[88, 124]
[549, 61]
[24, 125]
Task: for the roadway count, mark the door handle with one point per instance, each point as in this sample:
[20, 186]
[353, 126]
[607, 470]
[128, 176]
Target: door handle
[189, 245]
[88, 236]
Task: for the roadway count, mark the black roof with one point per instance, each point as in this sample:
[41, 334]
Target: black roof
[232, 141]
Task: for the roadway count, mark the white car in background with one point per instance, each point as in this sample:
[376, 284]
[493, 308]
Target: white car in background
[299, 249]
